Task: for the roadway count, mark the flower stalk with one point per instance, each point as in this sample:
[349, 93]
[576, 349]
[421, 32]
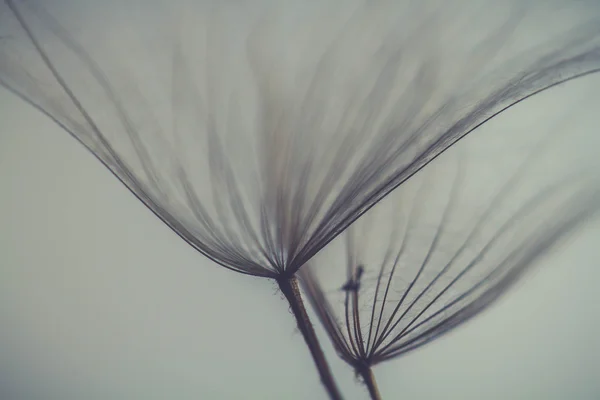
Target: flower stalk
[366, 373]
[291, 291]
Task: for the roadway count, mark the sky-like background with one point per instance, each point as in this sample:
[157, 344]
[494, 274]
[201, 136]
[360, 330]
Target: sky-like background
[100, 300]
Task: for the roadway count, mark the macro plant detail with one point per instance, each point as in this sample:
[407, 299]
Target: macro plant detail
[258, 136]
[446, 245]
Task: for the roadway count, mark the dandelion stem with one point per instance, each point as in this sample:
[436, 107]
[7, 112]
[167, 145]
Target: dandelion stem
[369, 379]
[289, 287]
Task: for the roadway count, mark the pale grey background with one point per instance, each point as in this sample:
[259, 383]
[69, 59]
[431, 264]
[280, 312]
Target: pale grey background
[100, 300]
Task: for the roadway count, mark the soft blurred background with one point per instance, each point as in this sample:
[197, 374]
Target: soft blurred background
[100, 300]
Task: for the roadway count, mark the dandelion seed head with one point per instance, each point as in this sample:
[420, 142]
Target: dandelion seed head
[259, 136]
[450, 242]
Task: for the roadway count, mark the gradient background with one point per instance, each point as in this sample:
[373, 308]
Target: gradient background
[99, 300]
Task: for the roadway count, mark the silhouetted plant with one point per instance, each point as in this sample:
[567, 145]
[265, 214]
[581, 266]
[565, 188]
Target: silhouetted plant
[259, 147]
[443, 247]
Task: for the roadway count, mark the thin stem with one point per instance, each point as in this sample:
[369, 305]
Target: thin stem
[289, 287]
[369, 379]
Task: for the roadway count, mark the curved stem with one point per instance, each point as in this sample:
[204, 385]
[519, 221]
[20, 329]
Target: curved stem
[289, 287]
[369, 379]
